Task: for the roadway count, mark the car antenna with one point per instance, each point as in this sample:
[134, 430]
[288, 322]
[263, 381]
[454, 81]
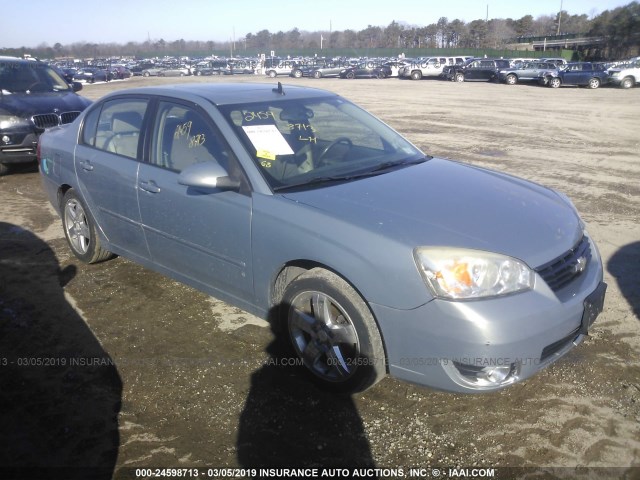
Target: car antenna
[279, 89]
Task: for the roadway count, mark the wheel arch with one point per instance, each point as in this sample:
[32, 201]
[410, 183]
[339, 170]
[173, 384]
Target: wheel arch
[294, 269]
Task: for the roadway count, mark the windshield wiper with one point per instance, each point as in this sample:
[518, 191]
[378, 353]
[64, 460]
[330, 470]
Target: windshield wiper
[314, 181]
[393, 164]
[378, 170]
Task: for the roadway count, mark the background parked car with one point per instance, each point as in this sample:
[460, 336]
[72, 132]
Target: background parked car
[587, 74]
[33, 97]
[329, 69]
[278, 66]
[477, 69]
[175, 71]
[152, 71]
[212, 67]
[91, 75]
[366, 70]
[626, 75]
[525, 72]
[429, 67]
[120, 73]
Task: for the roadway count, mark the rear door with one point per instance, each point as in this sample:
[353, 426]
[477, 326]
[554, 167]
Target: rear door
[107, 161]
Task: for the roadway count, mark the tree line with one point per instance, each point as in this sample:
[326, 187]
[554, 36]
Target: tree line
[620, 29]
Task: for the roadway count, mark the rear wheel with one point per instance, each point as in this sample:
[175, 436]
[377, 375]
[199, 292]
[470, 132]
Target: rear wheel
[511, 79]
[317, 74]
[80, 231]
[417, 75]
[297, 73]
[272, 73]
[333, 332]
[594, 82]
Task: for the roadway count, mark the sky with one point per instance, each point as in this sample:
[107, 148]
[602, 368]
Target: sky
[38, 22]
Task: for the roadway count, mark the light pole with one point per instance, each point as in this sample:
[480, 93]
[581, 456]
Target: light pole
[559, 18]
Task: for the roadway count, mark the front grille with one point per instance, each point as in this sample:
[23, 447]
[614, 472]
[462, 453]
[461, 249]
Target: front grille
[559, 272]
[48, 120]
[68, 117]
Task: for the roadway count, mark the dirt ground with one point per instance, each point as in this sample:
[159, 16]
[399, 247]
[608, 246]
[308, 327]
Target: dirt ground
[157, 374]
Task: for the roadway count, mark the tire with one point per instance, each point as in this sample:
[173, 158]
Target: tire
[381, 75]
[80, 231]
[458, 77]
[317, 74]
[350, 75]
[627, 82]
[272, 73]
[146, 74]
[511, 79]
[331, 329]
[594, 82]
[297, 73]
[417, 75]
[554, 82]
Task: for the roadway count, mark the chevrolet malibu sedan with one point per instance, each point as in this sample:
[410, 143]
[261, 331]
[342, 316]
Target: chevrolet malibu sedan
[294, 204]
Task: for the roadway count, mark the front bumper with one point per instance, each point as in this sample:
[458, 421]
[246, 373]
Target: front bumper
[443, 344]
[20, 148]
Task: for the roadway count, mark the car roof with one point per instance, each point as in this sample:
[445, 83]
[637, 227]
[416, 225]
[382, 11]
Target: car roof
[229, 93]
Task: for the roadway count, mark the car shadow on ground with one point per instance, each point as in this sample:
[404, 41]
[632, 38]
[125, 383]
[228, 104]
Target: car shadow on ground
[624, 265]
[289, 423]
[60, 392]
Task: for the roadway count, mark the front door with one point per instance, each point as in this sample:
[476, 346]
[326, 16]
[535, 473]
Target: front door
[203, 236]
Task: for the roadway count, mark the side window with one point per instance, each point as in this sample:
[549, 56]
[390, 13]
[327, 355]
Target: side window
[183, 137]
[118, 127]
[90, 127]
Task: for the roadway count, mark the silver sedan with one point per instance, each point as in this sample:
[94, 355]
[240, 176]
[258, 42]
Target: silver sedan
[368, 256]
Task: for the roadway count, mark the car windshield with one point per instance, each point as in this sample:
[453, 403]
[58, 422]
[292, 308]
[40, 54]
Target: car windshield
[19, 77]
[305, 143]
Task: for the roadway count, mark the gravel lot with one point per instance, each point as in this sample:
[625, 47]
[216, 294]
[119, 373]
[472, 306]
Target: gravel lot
[160, 375]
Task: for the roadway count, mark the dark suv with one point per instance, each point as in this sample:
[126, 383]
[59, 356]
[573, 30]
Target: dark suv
[482, 69]
[33, 97]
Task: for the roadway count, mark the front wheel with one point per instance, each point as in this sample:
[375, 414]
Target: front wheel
[554, 82]
[297, 73]
[80, 230]
[627, 82]
[333, 332]
[272, 73]
[459, 77]
[511, 79]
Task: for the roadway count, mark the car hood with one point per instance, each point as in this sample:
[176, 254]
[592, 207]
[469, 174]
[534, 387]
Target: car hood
[445, 203]
[28, 104]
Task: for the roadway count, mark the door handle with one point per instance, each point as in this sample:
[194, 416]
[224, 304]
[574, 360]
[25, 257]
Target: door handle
[149, 186]
[86, 165]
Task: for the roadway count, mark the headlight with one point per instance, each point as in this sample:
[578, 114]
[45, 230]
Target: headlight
[9, 121]
[458, 273]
